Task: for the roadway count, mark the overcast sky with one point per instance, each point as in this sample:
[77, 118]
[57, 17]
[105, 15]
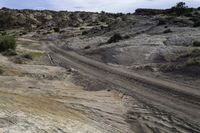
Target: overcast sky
[94, 5]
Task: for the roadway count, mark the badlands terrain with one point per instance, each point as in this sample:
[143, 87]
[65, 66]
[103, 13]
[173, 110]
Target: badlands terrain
[85, 72]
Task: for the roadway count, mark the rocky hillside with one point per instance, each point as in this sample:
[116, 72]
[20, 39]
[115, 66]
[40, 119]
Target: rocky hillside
[32, 19]
[89, 72]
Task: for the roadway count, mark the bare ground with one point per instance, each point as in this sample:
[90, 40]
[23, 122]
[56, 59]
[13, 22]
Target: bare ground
[179, 103]
[78, 94]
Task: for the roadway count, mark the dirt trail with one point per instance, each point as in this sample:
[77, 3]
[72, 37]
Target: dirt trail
[180, 103]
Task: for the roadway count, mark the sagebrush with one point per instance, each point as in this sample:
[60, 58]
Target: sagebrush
[7, 43]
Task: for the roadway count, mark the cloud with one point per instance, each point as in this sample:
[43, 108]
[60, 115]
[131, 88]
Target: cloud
[92, 5]
[115, 5]
[25, 4]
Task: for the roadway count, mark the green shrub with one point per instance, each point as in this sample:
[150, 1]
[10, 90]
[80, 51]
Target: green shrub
[7, 42]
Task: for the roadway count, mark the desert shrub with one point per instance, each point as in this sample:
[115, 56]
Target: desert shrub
[9, 52]
[167, 31]
[7, 42]
[46, 33]
[3, 33]
[115, 38]
[143, 11]
[161, 22]
[188, 15]
[38, 31]
[87, 47]
[195, 53]
[181, 9]
[24, 33]
[1, 71]
[192, 62]
[28, 56]
[126, 37]
[196, 44]
[84, 32]
[196, 13]
[196, 21]
[17, 59]
[196, 24]
[62, 31]
[56, 29]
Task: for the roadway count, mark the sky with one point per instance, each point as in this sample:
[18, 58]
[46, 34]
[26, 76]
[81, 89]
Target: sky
[124, 6]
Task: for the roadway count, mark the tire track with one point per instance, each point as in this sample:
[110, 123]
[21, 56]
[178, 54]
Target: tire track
[180, 103]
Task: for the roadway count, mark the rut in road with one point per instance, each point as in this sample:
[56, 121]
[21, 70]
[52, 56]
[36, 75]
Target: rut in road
[182, 107]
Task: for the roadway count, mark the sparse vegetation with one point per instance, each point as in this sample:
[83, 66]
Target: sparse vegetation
[84, 32]
[7, 42]
[184, 63]
[196, 21]
[192, 62]
[46, 33]
[167, 31]
[196, 24]
[192, 54]
[192, 58]
[9, 52]
[87, 47]
[28, 56]
[161, 22]
[4, 33]
[23, 33]
[126, 37]
[1, 71]
[196, 44]
[22, 58]
[180, 9]
[115, 38]
[56, 29]
[141, 11]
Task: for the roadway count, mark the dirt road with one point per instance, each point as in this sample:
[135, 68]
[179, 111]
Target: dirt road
[180, 103]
